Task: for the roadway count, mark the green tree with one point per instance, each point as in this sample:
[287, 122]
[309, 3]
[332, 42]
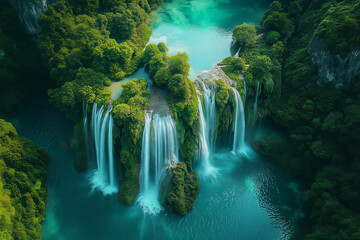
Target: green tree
[244, 35]
[162, 76]
[162, 47]
[157, 62]
[150, 51]
[179, 64]
[178, 87]
[260, 67]
[280, 23]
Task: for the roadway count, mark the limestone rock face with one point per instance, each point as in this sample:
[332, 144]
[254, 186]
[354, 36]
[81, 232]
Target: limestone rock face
[210, 77]
[332, 68]
[29, 12]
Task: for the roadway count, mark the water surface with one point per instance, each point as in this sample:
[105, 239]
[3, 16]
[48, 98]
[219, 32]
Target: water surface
[203, 28]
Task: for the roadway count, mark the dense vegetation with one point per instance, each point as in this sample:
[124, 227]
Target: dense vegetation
[88, 44]
[183, 190]
[171, 73]
[258, 66]
[129, 117]
[100, 39]
[23, 185]
[321, 122]
[20, 69]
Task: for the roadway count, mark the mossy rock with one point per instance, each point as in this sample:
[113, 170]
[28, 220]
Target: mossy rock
[182, 192]
[128, 192]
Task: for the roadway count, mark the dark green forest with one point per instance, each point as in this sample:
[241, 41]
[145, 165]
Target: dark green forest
[321, 122]
[23, 185]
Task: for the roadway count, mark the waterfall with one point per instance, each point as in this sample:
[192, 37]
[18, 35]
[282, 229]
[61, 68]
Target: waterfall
[239, 132]
[145, 155]
[237, 53]
[207, 129]
[256, 103]
[101, 138]
[210, 109]
[156, 155]
[244, 92]
[111, 152]
[204, 153]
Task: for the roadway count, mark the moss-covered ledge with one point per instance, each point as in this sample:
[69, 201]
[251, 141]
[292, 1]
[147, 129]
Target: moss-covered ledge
[182, 190]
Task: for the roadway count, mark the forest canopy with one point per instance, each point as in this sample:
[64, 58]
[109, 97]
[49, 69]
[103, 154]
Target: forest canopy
[23, 185]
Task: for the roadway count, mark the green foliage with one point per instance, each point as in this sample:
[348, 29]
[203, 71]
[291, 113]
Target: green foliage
[150, 51]
[128, 113]
[162, 77]
[244, 35]
[121, 113]
[261, 67]
[179, 64]
[79, 34]
[183, 190]
[320, 122]
[233, 67]
[158, 61]
[264, 59]
[162, 47]
[113, 59]
[7, 211]
[155, 3]
[89, 86]
[221, 96]
[178, 87]
[276, 20]
[172, 72]
[271, 37]
[340, 27]
[120, 26]
[224, 109]
[87, 43]
[23, 186]
[89, 7]
[269, 85]
[140, 38]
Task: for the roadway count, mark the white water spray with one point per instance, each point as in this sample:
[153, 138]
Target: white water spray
[101, 137]
[207, 130]
[156, 156]
[239, 132]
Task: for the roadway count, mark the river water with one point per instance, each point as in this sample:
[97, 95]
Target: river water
[249, 198]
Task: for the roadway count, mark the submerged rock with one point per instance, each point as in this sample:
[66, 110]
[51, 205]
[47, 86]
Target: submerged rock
[333, 68]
